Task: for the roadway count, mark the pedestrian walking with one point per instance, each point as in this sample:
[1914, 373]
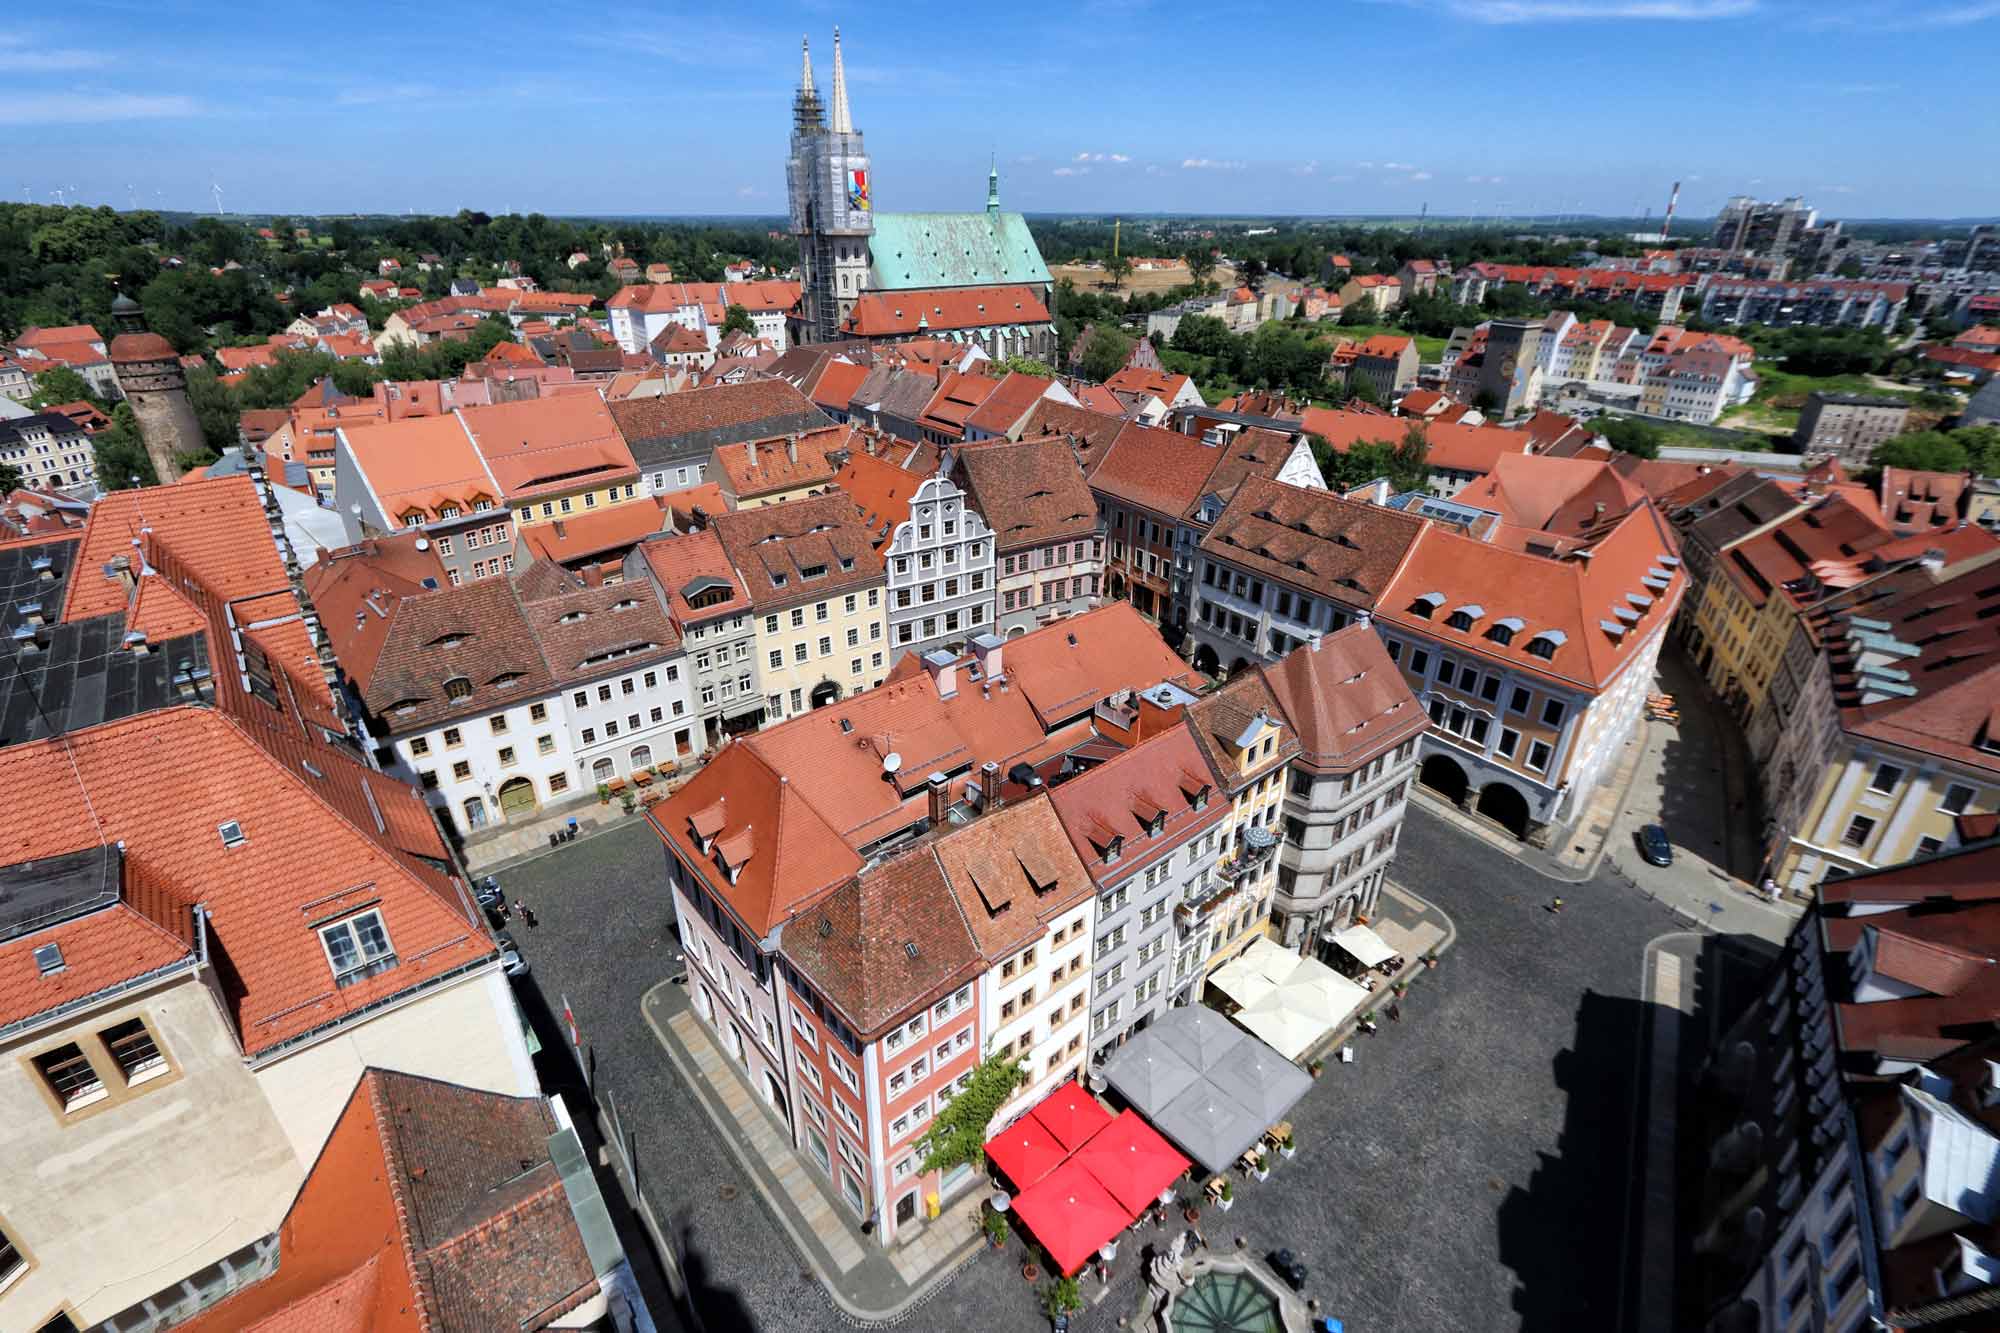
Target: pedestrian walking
[1556, 906]
[1770, 888]
[527, 914]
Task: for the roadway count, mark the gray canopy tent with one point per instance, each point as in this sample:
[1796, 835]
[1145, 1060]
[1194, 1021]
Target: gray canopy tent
[1205, 1083]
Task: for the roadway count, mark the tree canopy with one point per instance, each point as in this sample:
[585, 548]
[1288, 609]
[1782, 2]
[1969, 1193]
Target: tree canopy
[1968, 449]
[736, 319]
[1402, 461]
[1629, 435]
[1105, 353]
[957, 1136]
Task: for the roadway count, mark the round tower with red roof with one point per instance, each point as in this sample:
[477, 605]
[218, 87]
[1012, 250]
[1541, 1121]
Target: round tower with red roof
[149, 372]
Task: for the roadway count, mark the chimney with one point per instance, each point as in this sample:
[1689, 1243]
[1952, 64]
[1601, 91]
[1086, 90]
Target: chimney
[989, 785]
[1315, 640]
[792, 447]
[940, 797]
[988, 647]
[1155, 714]
[751, 445]
[943, 667]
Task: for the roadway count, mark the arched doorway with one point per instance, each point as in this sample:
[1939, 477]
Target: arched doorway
[825, 693]
[1503, 805]
[1442, 775]
[475, 813]
[603, 771]
[1205, 660]
[517, 798]
[775, 1095]
[642, 757]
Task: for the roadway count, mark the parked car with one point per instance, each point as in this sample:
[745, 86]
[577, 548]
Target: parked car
[511, 961]
[1653, 845]
[487, 893]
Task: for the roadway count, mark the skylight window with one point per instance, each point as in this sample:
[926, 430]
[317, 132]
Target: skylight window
[232, 834]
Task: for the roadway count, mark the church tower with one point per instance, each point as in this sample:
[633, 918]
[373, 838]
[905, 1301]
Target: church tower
[832, 205]
[150, 375]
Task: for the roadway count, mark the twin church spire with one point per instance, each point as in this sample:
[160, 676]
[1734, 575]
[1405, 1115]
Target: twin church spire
[807, 105]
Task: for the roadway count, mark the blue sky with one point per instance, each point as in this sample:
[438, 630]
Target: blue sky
[1342, 106]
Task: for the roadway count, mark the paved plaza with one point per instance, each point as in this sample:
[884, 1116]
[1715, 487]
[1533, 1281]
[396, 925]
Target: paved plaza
[1473, 1169]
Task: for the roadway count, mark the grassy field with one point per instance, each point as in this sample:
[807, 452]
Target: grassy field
[1156, 280]
[1780, 395]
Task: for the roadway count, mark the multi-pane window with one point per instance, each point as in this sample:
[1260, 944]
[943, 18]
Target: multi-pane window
[357, 948]
[132, 1046]
[70, 1076]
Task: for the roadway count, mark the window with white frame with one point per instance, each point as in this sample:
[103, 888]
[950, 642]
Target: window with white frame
[357, 947]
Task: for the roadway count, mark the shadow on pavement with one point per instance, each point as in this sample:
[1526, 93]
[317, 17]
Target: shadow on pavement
[1564, 1235]
[719, 1308]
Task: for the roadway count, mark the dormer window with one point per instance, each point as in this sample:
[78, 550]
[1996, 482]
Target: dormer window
[457, 687]
[1113, 850]
[1427, 604]
[1502, 631]
[1544, 645]
[357, 947]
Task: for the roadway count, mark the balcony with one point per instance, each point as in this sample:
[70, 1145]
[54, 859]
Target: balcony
[1190, 916]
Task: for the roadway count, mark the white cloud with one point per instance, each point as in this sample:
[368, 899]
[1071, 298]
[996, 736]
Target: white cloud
[1836, 189]
[1305, 169]
[78, 109]
[1365, 166]
[1101, 157]
[1561, 11]
[1072, 171]
[1906, 15]
[1485, 180]
[1420, 175]
[18, 57]
[1210, 164]
[1120, 157]
[1395, 166]
[747, 192]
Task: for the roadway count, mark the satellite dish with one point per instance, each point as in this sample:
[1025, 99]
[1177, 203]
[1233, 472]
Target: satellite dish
[423, 543]
[891, 762]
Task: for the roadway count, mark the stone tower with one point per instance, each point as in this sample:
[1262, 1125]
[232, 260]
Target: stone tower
[832, 204]
[150, 375]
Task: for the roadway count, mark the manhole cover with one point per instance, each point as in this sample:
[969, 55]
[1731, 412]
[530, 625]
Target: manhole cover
[727, 1194]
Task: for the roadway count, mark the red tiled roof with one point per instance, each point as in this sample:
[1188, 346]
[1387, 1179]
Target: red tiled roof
[541, 446]
[1345, 700]
[1160, 470]
[837, 384]
[767, 467]
[1161, 384]
[1030, 493]
[957, 398]
[1008, 405]
[880, 489]
[1336, 548]
[694, 562]
[908, 314]
[595, 534]
[430, 1206]
[1164, 773]
[772, 546]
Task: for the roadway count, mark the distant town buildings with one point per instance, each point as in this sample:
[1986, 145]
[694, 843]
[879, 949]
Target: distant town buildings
[1848, 426]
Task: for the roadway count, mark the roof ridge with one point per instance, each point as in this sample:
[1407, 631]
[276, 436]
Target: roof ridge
[387, 1139]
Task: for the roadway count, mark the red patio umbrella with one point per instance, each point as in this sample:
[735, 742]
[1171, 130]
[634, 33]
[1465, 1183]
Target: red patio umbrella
[1071, 1215]
[1071, 1114]
[1025, 1151]
[1130, 1159]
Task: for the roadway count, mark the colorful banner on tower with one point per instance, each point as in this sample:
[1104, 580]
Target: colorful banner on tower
[857, 188]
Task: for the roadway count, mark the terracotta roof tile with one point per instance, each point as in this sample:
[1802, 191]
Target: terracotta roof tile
[774, 547]
[755, 468]
[1107, 802]
[539, 446]
[1329, 546]
[1030, 493]
[911, 313]
[1159, 470]
[1012, 871]
[689, 564]
[1345, 700]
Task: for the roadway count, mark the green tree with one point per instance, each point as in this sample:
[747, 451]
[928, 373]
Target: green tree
[1922, 451]
[1201, 263]
[1022, 365]
[1360, 386]
[61, 385]
[1404, 462]
[1105, 353]
[121, 453]
[957, 1136]
[1630, 436]
[215, 408]
[736, 319]
[1117, 268]
[1201, 335]
[10, 478]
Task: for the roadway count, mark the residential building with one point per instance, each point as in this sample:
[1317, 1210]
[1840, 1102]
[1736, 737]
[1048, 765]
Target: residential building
[553, 457]
[1848, 426]
[1172, 390]
[815, 583]
[1533, 660]
[762, 472]
[1927, 501]
[1376, 292]
[1283, 565]
[424, 474]
[1157, 492]
[1032, 911]
[940, 566]
[217, 978]
[1420, 277]
[1357, 727]
[1848, 1114]
[706, 600]
[1002, 412]
[1387, 362]
[1827, 302]
[1886, 743]
[843, 977]
[673, 436]
[397, 1222]
[1148, 826]
[1248, 743]
[49, 450]
[507, 695]
[1048, 547]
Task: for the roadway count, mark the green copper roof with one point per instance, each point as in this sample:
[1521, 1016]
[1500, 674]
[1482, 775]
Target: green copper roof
[915, 250]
